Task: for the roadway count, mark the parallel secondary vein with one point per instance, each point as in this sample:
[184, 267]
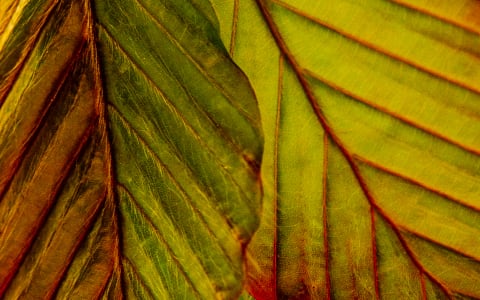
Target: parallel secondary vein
[204, 72]
[305, 86]
[233, 35]
[208, 116]
[139, 279]
[65, 172]
[28, 289]
[397, 116]
[183, 190]
[41, 219]
[438, 243]
[13, 74]
[215, 128]
[346, 153]
[467, 296]
[415, 182]
[184, 120]
[105, 286]
[41, 119]
[156, 158]
[381, 50]
[373, 230]
[8, 14]
[436, 16]
[170, 103]
[411, 254]
[325, 220]
[172, 178]
[281, 66]
[159, 236]
[99, 214]
[79, 240]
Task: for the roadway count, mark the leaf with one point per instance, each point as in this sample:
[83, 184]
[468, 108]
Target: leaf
[370, 111]
[129, 152]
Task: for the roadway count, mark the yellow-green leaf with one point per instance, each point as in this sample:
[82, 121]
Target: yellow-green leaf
[371, 169]
[129, 152]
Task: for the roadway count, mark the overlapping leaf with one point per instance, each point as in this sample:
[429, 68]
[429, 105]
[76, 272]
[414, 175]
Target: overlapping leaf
[371, 112]
[129, 151]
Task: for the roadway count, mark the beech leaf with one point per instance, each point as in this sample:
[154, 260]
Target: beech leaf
[371, 168]
[130, 146]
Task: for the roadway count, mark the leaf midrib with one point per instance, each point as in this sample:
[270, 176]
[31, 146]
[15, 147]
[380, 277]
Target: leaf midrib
[301, 77]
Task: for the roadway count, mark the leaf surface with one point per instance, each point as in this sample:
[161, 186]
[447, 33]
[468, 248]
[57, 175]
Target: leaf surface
[371, 167]
[129, 152]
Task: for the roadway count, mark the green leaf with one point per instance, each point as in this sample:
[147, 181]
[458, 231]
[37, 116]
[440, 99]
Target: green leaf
[371, 169]
[129, 152]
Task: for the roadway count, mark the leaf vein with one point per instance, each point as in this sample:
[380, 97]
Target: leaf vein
[159, 236]
[216, 128]
[438, 243]
[380, 50]
[137, 276]
[175, 182]
[188, 55]
[348, 156]
[436, 16]
[415, 182]
[190, 128]
[325, 218]
[397, 116]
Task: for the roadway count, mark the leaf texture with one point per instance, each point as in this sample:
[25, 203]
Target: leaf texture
[129, 152]
[371, 167]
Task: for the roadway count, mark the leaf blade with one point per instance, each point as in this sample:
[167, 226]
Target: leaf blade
[374, 54]
[175, 173]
